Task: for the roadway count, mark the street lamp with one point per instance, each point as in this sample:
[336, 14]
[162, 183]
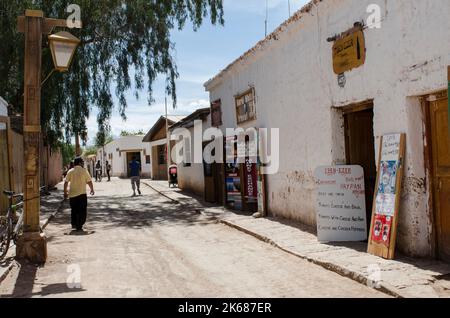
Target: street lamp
[32, 244]
[63, 46]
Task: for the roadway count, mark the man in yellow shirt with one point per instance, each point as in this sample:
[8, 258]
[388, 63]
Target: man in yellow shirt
[78, 177]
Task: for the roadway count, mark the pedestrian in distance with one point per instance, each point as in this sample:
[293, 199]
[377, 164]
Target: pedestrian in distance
[108, 171]
[135, 169]
[78, 178]
[98, 172]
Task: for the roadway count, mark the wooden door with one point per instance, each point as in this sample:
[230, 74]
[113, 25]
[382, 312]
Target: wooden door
[440, 143]
[360, 150]
[219, 182]
[210, 189]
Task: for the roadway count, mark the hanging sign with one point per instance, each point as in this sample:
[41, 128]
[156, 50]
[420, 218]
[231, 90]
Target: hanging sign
[341, 204]
[383, 230]
[349, 51]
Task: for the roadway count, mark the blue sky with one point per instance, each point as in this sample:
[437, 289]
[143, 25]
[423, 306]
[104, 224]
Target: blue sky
[201, 55]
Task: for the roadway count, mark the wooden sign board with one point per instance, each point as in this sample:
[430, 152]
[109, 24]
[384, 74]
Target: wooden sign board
[341, 204]
[349, 52]
[383, 229]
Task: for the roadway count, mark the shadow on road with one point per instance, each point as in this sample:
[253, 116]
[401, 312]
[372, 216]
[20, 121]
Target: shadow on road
[135, 213]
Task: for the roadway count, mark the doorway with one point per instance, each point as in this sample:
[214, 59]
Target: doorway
[360, 147]
[130, 157]
[438, 135]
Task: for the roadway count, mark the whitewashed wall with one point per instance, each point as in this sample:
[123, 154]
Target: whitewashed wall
[192, 178]
[296, 89]
[119, 162]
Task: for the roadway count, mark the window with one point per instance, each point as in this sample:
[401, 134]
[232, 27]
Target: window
[162, 154]
[147, 159]
[245, 107]
[187, 152]
[216, 114]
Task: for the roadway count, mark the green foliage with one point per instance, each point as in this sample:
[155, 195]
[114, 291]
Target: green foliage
[102, 139]
[68, 152]
[123, 42]
[125, 133]
[91, 150]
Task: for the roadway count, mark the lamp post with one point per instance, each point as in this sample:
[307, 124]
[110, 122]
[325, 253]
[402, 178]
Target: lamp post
[32, 244]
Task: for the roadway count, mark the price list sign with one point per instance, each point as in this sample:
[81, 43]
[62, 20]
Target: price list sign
[341, 204]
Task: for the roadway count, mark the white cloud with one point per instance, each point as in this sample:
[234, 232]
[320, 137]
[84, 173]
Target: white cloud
[144, 117]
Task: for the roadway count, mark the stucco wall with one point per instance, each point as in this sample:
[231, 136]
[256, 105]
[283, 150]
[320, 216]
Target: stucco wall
[296, 89]
[119, 160]
[192, 178]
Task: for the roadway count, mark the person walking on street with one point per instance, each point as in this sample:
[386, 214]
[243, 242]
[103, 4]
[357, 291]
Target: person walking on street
[78, 178]
[98, 172]
[135, 169]
[108, 171]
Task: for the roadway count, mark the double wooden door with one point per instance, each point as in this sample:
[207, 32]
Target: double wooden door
[440, 144]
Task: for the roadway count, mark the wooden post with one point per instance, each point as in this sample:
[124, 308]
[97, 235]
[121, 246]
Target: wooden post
[77, 145]
[32, 244]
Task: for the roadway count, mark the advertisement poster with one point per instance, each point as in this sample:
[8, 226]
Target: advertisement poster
[382, 229]
[233, 186]
[251, 178]
[386, 189]
[341, 204]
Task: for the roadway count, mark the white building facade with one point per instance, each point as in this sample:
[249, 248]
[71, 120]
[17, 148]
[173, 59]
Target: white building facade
[296, 90]
[191, 175]
[120, 152]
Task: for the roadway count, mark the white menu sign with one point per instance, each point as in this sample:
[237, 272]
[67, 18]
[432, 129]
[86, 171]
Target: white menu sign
[341, 204]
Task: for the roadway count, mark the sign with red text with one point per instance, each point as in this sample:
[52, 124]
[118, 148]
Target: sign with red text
[341, 204]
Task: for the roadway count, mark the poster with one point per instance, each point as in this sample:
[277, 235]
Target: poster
[382, 229]
[386, 189]
[341, 204]
[250, 181]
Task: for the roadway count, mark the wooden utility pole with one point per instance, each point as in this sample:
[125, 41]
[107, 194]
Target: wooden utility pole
[32, 244]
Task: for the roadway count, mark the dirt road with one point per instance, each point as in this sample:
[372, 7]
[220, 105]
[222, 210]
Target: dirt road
[149, 247]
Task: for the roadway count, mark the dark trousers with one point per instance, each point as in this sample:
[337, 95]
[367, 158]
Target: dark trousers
[109, 176]
[79, 211]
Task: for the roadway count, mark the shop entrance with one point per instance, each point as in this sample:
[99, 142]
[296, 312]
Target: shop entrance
[438, 132]
[213, 173]
[360, 147]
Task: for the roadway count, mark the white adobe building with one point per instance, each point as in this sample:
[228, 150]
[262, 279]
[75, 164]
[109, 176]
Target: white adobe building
[191, 176]
[120, 152]
[400, 88]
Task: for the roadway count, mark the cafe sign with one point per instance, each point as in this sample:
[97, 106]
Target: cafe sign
[349, 51]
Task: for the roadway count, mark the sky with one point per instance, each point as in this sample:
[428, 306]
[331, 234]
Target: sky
[200, 56]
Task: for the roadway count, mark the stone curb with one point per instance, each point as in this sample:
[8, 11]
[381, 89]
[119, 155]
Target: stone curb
[6, 272]
[53, 215]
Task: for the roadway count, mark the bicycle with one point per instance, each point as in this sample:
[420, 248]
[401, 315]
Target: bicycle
[11, 224]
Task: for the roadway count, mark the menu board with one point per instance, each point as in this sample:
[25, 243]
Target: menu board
[385, 209]
[341, 204]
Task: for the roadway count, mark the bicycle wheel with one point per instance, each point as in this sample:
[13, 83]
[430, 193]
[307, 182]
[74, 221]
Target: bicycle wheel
[6, 229]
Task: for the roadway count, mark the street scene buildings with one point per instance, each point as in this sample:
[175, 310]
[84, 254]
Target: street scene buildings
[350, 101]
